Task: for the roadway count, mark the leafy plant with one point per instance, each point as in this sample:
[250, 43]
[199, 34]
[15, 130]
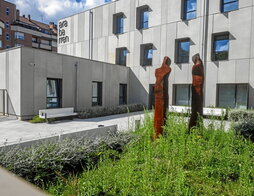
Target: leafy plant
[37, 119]
[44, 162]
[208, 161]
[106, 111]
[241, 115]
[246, 128]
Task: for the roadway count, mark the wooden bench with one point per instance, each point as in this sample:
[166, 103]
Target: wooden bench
[206, 111]
[57, 113]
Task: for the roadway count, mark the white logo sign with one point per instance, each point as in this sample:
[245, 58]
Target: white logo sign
[64, 32]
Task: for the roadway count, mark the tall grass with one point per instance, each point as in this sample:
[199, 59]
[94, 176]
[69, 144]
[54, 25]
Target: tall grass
[204, 162]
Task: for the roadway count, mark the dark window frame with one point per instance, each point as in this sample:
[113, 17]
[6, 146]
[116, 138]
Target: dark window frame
[99, 94]
[177, 50]
[59, 83]
[236, 84]
[7, 11]
[144, 51]
[7, 37]
[121, 59]
[123, 98]
[216, 37]
[118, 28]
[175, 93]
[227, 3]
[140, 23]
[185, 10]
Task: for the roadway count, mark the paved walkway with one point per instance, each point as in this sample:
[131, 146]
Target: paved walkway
[14, 131]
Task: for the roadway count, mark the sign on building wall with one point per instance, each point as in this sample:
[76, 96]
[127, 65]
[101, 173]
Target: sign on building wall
[64, 31]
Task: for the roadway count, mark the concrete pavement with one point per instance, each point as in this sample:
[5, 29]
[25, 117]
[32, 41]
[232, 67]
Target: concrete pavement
[13, 131]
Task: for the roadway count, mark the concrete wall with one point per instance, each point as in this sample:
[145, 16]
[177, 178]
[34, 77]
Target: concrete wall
[10, 79]
[24, 72]
[95, 40]
[38, 65]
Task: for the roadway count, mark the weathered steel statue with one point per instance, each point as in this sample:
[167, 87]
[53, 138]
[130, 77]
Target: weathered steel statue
[161, 96]
[197, 90]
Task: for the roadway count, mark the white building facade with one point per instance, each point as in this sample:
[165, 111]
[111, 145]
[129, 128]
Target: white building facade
[139, 33]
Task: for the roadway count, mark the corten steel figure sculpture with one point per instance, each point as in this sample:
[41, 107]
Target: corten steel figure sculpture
[197, 90]
[161, 96]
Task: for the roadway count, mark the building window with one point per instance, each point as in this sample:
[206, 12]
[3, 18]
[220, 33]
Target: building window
[54, 93]
[34, 40]
[1, 44]
[20, 36]
[7, 25]
[182, 51]
[220, 47]
[7, 46]
[118, 20]
[229, 5]
[189, 9]
[121, 54]
[7, 11]
[123, 94]
[1, 31]
[232, 96]
[182, 94]
[142, 17]
[7, 36]
[96, 93]
[45, 42]
[146, 54]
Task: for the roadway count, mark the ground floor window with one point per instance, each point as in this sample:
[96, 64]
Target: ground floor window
[96, 93]
[54, 93]
[232, 96]
[123, 94]
[182, 94]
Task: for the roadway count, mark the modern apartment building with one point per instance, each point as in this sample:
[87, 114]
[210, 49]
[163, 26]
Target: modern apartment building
[24, 31]
[139, 33]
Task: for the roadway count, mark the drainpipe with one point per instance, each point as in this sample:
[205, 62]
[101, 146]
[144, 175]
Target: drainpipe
[91, 34]
[76, 86]
[204, 39]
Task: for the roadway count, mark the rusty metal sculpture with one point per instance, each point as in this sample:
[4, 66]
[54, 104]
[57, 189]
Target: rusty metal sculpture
[161, 96]
[197, 90]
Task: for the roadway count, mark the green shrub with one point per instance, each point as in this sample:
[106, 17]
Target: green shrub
[106, 111]
[205, 162]
[240, 115]
[246, 128]
[37, 119]
[45, 162]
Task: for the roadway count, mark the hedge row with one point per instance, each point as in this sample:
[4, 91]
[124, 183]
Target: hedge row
[45, 162]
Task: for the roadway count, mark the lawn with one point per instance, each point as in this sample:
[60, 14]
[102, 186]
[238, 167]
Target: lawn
[204, 162]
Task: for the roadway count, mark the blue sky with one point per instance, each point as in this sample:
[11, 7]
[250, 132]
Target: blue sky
[53, 10]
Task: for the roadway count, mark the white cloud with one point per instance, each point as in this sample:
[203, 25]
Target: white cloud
[53, 10]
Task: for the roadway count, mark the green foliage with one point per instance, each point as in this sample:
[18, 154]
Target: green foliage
[106, 111]
[37, 119]
[46, 161]
[240, 115]
[246, 128]
[204, 162]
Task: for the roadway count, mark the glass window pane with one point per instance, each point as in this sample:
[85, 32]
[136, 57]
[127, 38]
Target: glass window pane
[52, 88]
[182, 95]
[221, 45]
[95, 89]
[150, 53]
[191, 5]
[227, 96]
[242, 96]
[183, 51]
